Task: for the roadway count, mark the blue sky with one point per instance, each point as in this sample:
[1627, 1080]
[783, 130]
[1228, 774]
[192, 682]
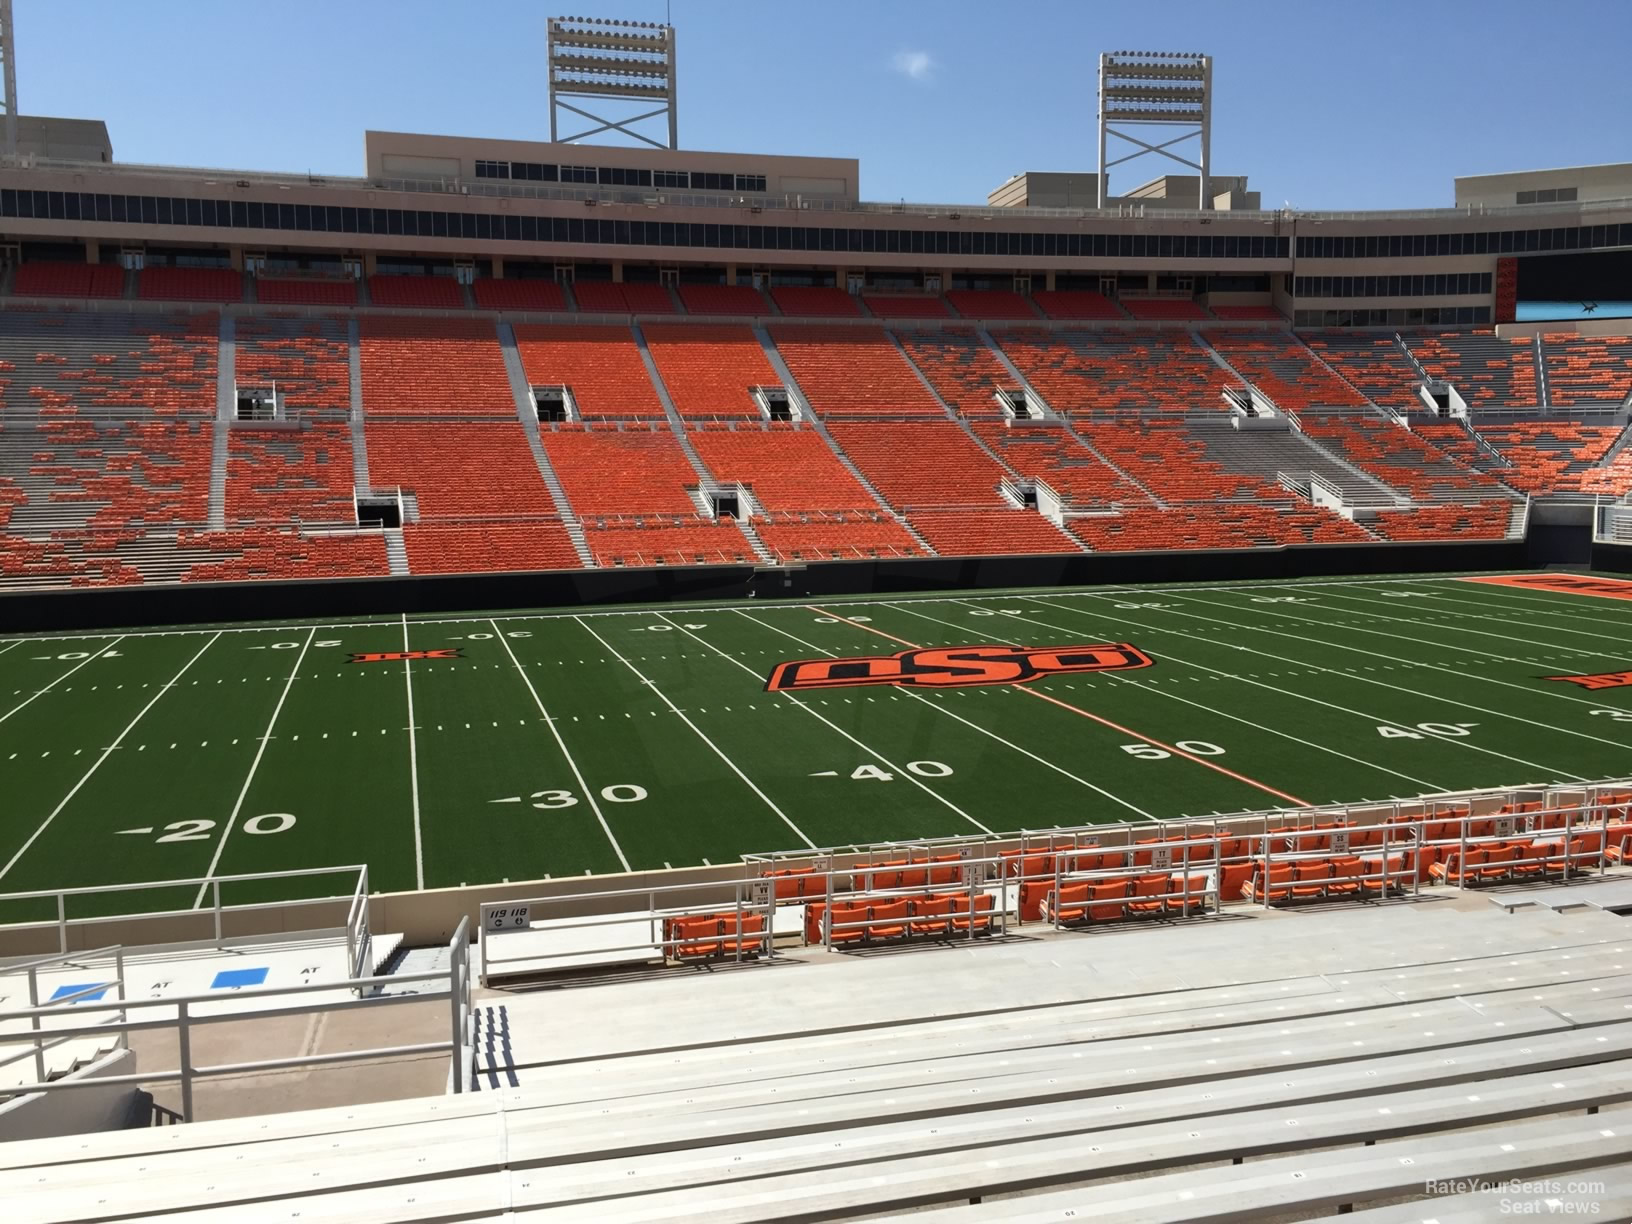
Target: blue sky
[1325, 105]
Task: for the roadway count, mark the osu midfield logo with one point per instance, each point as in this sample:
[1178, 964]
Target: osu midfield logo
[951, 666]
[396, 656]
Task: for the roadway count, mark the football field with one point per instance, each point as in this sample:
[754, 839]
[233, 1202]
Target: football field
[469, 749]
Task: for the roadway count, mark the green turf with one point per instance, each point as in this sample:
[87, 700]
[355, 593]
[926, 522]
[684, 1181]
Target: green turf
[564, 743]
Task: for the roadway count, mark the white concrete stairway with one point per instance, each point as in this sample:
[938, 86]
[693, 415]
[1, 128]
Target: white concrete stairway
[226, 408]
[396, 552]
[359, 442]
[1365, 477]
[797, 397]
[1544, 390]
[520, 392]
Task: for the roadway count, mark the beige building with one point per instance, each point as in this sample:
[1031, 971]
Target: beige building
[1569, 185]
[1049, 189]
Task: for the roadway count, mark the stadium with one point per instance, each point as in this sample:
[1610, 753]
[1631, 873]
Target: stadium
[611, 681]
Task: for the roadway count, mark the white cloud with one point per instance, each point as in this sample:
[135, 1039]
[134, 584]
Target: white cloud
[915, 65]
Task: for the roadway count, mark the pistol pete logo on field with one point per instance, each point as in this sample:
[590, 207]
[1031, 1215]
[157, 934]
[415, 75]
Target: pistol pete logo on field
[397, 656]
[954, 666]
[1604, 680]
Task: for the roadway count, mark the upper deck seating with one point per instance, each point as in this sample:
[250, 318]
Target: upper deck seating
[1251, 314]
[965, 373]
[1080, 372]
[438, 367]
[724, 300]
[332, 291]
[531, 294]
[624, 297]
[786, 468]
[814, 302]
[58, 362]
[1372, 364]
[1077, 304]
[1283, 369]
[459, 469]
[922, 464]
[852, 371]
[190, 285]
[1050, 454]
[78, 280]
[1486, 370]
[620, 472]
[601, 366]
[489, 547]
[990, 304]
[1587, 369]
[907, 306]
[709, 369]
[1165, 309]
[427, 292]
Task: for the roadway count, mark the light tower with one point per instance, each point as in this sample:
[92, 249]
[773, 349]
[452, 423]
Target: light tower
[8, 67]
[1164, 88]
[620, 61]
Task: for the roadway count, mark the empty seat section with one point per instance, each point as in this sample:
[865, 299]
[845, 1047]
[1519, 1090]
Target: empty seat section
[1165, 309]
[852, 371]
[988, 533]
[190, 285]
[427, 292]
[57, 362]
[1552, 456]
[990, 304]
[835, 535]
[1250, 314]
[1116, 371]
[264, 553]
[922, 464]
[426, 367]
[1486, 369]
[1283, 369]
[681, 541]
[1399, 458]
[814, 302]
[284, 476]
[1454, 439]
[459, 469]
[533, 294]
[960, 367]
[489, 548]
[907, 306]
[723, 300]
[1230, 526]
[620, 472]
[624, 297]
[1174, 463]
[115, 474]
[308, 359]
[709, 368]
[601, 366]
[79, 280]
[335, 291]
[1050, 454]
[1479, 521]
[1373, 364]
[1587, 369]
[784, 467]
[1077, 304]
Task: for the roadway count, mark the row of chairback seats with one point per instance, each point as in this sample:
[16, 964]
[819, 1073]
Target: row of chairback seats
[1146, 896]
[863, 920]
[722, 936]
[1503, 862]
[797, 883]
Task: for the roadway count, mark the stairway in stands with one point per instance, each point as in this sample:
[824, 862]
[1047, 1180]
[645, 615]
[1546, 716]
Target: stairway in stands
[520, 391]
[225, 410]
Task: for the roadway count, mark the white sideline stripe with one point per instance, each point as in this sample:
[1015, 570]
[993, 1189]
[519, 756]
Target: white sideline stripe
[870, 751]
[560, 743]
[768, 605]
[1530, 608]
[42, 692]
[1458, 627]
[12, 645]
[1151, 688]
[413, 760]
[1535, 597]
[729, 763]
[1378, 721]
[106, 753]
[1450, 671]
[935, 705]
[254, 766]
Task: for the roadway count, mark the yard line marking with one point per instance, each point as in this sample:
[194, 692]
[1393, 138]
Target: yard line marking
[1138, 735]
[12, 646]
[1223, 675]
[1114, 798]
[61, 678]
[1451, 671]
[1335, 672]
[868, 749]
[1527, 611]
[254, 766]
[560, 743]
[106, 753]
[1517, 597]
[413, 758]
[729, 763]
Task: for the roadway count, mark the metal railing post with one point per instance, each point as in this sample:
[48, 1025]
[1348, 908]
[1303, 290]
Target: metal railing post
[62, 923]
[215, 895]
[184, 1050]
[456, 1048]
[34, 1024]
